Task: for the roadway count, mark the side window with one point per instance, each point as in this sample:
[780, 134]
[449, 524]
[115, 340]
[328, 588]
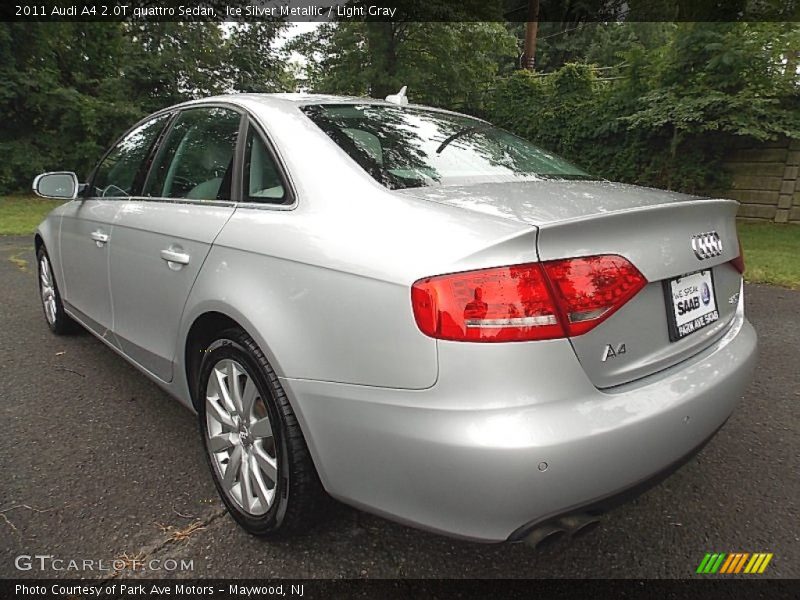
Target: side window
[263, 182]
[196, 159]
[116, 175]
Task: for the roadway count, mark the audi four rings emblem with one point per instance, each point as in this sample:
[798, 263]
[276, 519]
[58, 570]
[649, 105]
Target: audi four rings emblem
[707, 245]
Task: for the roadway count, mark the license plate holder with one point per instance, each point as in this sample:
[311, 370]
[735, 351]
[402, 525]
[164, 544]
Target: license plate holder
[691, 303]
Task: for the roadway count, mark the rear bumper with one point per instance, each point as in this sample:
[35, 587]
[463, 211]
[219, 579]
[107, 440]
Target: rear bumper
[484, 456]
[599, 506]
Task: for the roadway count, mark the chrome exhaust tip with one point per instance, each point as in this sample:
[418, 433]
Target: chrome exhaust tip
[579, 525]
[544, 537]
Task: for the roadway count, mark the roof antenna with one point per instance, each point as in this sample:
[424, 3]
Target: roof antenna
[398, 98]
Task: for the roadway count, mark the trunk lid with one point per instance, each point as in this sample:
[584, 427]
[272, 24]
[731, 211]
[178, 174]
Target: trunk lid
[542, 202]
[654, 230]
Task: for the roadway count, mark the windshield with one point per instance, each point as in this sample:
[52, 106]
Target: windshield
[411, 147]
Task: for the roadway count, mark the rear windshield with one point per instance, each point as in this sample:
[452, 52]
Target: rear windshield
[411, 147]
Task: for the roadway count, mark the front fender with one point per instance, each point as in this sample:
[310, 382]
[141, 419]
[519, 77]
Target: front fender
[48, 233]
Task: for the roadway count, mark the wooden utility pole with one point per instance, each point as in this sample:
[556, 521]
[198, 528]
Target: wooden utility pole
[531, 29]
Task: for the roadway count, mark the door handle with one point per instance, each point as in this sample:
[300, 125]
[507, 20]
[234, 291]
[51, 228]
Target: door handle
[99, 237]
[173, 256]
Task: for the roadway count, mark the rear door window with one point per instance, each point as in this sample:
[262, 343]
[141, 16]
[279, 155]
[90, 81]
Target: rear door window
[195, 161]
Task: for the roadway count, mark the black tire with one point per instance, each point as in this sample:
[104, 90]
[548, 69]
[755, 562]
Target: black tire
[62, 323]
[300, 500]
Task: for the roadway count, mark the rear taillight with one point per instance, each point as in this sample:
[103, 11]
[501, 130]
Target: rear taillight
[738, 262]
[491, 305]
[588, 290]
[535, 301]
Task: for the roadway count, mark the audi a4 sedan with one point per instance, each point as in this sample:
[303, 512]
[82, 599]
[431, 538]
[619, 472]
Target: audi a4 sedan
[403, 308]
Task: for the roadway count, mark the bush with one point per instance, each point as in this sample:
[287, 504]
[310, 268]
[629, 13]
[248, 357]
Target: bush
[666, 118]
[576, 115]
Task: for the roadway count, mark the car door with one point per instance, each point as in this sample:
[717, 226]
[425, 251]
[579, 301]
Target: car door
[87, 227]
[162, 237]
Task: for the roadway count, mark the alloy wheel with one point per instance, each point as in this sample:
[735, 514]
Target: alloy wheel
[239, 437]
[48, 291]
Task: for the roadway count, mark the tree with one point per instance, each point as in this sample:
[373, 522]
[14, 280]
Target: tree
[671, 109]
[71, 88]
[443, 64]
[62, 97]
[256, 63]
[727, 77]
[168, 62]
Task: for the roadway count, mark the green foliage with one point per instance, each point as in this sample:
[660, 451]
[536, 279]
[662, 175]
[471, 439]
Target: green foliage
[443, 64]
[667, 115]
[254, 63]
[69, 89]
[597, 43]
[650, 103]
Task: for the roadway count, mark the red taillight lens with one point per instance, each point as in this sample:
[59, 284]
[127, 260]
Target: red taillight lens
[491, 305]
[590, 289]
[738, 262]
[536, 301]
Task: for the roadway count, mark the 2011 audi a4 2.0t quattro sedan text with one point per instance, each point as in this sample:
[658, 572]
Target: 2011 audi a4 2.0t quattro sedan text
[404, 308]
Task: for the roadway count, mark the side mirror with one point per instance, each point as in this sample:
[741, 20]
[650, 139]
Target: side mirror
[62, 185]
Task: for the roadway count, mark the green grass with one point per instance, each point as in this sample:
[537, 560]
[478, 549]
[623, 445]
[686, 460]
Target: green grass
[19, 215]
[771, 251]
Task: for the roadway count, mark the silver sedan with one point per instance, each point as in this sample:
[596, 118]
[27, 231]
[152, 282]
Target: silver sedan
[403, 308]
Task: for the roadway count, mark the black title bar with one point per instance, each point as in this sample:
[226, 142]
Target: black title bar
[390, 589]
[563, 11]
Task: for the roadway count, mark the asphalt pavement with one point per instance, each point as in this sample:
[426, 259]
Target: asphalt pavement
[98, 464]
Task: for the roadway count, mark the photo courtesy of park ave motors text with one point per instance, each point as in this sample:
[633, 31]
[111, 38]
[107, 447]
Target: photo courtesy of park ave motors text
[419, 291]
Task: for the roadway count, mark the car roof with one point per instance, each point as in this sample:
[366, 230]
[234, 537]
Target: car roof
[301, 99]
[296, 100]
